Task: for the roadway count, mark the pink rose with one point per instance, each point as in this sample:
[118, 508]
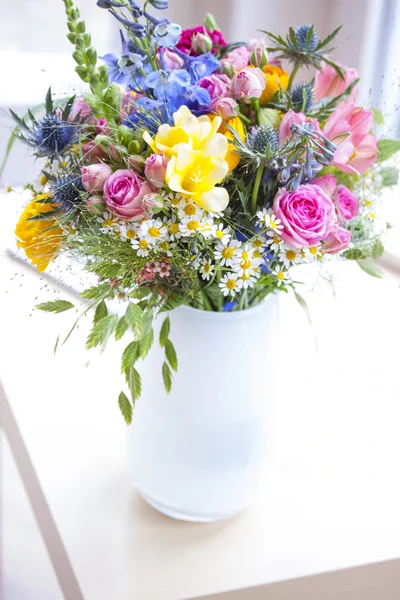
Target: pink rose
[357, 152]
[93, 153]
[216, 85]
[124, 191]
[307, 215]
[185, 41]
[172, 60]
[291, 118]
[248, 83]
[328, 83]
[239, 57]
[154, 169]
[226, 108]
[337, 240]
[327, 183]
[94, 176]
[347, 203]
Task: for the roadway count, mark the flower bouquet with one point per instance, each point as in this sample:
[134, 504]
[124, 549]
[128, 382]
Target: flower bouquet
[191, 179]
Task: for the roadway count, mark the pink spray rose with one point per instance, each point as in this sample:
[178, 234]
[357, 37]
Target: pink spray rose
[93, 153]
[172, 60]
[96, 205]
[358, 151]
[218, 86]
[327, 183]
[291, 118]
[153, 203]
[94, 176]
[307, 215]
[328, 82]
[248, 83]
[154, 169]
[337, 240]
[226, 108]
[124, 191]
[347, 203]
[239, 57]
[185, 41]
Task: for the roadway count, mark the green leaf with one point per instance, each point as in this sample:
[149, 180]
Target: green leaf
[387, 148]
[329, 38]
[390, 176]
[125, 407]
[377, 249]
[121, 328]
[129, 356]
[49, 102]
[173, 301]
[146, 342]
[104, 269]
[139, 293]
[101, 331]
[167, 377]
[134, 316]
[135, 383]
[378, 117]
[56, 344]
[164, 331]
[97, 291]
[303, 304]
[100, 312]
[371, 268]
[170, 353]
[55, 306]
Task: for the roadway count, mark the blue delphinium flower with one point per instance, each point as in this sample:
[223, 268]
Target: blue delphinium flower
[167, 34]
[202, 66]
[66, 191]
[149, 114]
[301, 34]
[128, 69]
[159, 4]
[168, 85]
[52, 135]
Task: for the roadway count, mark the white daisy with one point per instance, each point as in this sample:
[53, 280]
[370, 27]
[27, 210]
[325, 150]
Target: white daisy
[312, 253]
[142, 247]
[188, 209]
[129, 230]
[109, 223]
[244, 262]
[275, 243]
[206, 228]
[281, 275]
[166, 248]
[206, 269]
[226, 254]
[268, 218]
[221, 234]
[230, 284]
[189, 227]
[247, 280]
[289, 256]
[154, 231]
[172, 228]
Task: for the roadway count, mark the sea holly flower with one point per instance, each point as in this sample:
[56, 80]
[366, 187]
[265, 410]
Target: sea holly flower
[67, 191]
[306, 38]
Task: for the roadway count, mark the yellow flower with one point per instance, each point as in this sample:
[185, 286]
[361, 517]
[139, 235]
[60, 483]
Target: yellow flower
[39, 239]
[275, 79]
[196, 155]
[232, 157]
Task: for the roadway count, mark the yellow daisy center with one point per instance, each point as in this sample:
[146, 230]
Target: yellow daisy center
[175, 201]
[280, 276]
[143, 244]
[207, 268]
[154, 232]
[227, 252]
[245, 276]
[164, 246]
[368, 202]
[245, 264]
[231, 284]
[257, 243]
[219, 234]
[372, 215]
[277, 239]
[193, 225]
[107, 222]
[257, 254]
[173, 228]
[290, 254]
[130, 234]
[313, 250]
[189, 209]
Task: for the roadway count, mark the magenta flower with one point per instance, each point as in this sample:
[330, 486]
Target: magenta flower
[124, 191]
[307, 215]
[347, 203]
[185, 41]
[218, 86]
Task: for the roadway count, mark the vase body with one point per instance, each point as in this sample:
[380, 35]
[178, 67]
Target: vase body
[198, 453]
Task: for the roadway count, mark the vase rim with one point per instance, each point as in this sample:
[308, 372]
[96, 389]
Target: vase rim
[228, 315]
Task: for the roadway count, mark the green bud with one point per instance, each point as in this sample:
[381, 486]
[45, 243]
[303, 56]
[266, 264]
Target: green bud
[268, 116]
[259, 55]
[201, 43]
[103, 140]
[91, 55]
[74, 14]
[78, 57]
[80, 43]
[71, 27]
[134, 147]
[82, 72]
[103, 74]
[87, 39]
[71, 37]
[210, 23]
[124, 135]
[80, 27]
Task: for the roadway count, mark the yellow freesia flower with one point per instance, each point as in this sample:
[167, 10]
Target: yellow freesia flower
[233, 157]
[39, 239]
[275, 79]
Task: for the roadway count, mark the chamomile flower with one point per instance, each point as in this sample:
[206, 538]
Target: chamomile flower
[312, 253]
[226, 255]
[289, 256]
[154, 231]
[172, 228]
[281, 275]
[230, 284]
[166, 248]
[70, 231]
[187, 208]
[244, 261]
[129, 230]
[221, 233]
[142, 247]
[206, 269]
[275, 243]
[109, 223]
[247, 280]
[206, 228]
[189, 227]
[268, 218]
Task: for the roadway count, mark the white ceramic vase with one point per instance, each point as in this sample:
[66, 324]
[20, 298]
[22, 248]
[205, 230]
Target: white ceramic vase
[198, 453]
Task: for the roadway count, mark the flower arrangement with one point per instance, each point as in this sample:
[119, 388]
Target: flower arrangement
[199, 172]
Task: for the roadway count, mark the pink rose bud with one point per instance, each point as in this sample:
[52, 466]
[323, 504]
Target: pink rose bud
[154, 170]
[124, 191]
[259, 55]
[94, 176]
[101, 126]
[226, 108]
[248, 84]
[153, 203]
[347, 203]
[117, 152]
[93, 153]
[201, 43]
[96, 205]
[172, 60]
[226, 68]
[339, 239]
[137, 162]
[239, 57]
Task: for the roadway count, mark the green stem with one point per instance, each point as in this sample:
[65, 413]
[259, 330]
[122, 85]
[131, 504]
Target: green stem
[256, 187]
[293, 75]
[245, 119]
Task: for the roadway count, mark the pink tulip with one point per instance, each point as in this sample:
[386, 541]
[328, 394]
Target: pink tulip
[291, 118]
[94, 176]
[358, 151]
[249, 83]
[155, 168]
[328, 82]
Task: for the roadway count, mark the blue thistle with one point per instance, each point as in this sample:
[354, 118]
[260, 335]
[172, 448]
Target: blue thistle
[302, 97]
[52, 135]
[262, 137]
[301, 34]
[66, 191]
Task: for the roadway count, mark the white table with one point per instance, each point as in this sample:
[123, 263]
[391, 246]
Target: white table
[331, 491]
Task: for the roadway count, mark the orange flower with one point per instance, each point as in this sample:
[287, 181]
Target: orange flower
[275, 79]
[232, 157]
[40, 240]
